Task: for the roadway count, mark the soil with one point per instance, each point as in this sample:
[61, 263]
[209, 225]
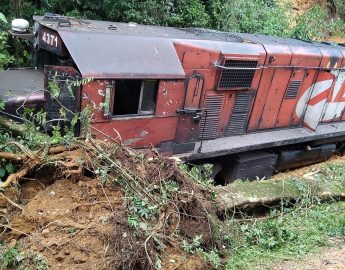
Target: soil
[67, 222]
[71, 224]
[301, 6]
[332, 258]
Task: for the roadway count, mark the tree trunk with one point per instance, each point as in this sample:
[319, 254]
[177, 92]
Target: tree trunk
[251, 194]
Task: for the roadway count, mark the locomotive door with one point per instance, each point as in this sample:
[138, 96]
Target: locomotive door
[191, 112]
[62, 94]
[318, 94]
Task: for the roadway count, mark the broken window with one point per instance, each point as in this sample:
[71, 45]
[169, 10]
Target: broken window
[135, 97]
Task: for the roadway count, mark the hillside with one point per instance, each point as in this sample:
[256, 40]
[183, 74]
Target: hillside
[302, 6]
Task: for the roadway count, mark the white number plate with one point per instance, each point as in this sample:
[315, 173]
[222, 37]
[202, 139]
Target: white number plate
[50, 39]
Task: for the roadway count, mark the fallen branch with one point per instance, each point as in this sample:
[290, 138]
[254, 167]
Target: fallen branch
[14, 177]
[14, 127]
[12, 157]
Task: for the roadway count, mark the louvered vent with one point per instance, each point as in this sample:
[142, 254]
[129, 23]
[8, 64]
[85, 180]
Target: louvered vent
[293, 89]
[209, 123]
[240, 77]
[238, 121]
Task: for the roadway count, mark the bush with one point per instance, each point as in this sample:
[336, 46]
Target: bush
[340, 8]
[256, 16]
[312, 24]
[5, 57]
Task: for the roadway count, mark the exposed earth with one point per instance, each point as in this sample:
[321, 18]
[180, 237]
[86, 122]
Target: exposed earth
[71, 224]
[331, 258]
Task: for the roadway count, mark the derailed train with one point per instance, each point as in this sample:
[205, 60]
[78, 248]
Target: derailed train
[250, 104]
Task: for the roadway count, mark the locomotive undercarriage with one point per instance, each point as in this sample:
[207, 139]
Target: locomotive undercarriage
[260, 155]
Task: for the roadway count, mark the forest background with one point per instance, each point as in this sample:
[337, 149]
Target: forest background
[320, 20]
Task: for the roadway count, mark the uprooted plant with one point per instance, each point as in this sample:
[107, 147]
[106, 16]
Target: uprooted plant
[162, 205]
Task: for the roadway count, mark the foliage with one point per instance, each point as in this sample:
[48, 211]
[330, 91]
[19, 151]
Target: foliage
[311, 25]
[11, 257]
[6, 167]
[193, 246]
[188, 13]
[3, 18]
[271, 17]
[290, 233]
[337, 28]
[20, 51]
[5, 57]
[340, 8]
[256, 16]
[13, 52]
[289, 236]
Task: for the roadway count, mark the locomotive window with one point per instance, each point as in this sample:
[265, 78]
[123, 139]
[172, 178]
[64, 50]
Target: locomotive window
[135, 97]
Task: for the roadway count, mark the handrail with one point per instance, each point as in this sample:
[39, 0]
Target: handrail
[267, 67]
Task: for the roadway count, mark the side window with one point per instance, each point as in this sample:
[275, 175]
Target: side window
[135, 97]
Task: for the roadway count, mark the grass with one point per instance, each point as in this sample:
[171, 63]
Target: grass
[295, 234]
[288, 235]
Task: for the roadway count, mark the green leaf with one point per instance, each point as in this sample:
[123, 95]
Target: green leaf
[3, 18]
[9, 168]
[2, 172]
[2, 105]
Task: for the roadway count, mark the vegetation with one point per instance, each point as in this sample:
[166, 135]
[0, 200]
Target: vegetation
[242, 241]
[291, 232]
[5, 57]
[12, 258]
[291, 236]
[271, 17]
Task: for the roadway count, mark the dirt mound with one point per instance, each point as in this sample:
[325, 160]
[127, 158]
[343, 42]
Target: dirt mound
[69, 223]
[81, 219]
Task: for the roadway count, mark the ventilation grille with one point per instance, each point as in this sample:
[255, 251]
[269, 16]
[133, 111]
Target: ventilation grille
[238, 121]
[209, 123]
[243, 101]
[237, 78]
[293, 89]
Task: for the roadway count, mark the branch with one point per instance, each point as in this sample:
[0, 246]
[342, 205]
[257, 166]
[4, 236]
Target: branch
[12, 157]
[14, 127]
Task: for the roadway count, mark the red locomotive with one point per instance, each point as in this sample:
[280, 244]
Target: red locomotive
[250, 104]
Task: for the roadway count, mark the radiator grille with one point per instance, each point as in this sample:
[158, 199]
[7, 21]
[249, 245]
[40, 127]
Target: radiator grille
[293, 89]
[238, 120]
[237, 78]
[209, 124]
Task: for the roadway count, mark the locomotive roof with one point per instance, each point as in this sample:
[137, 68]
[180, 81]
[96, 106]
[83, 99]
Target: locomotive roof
[134, 29]
[103, 49]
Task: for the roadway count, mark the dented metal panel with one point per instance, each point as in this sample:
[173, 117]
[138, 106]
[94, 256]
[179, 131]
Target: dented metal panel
[21, 87]
[284, 82]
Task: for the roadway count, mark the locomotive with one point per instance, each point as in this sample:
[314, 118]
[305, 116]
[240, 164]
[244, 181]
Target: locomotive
[249, 104]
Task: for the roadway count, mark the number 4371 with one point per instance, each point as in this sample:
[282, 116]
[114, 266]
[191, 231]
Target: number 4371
[50, 39]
